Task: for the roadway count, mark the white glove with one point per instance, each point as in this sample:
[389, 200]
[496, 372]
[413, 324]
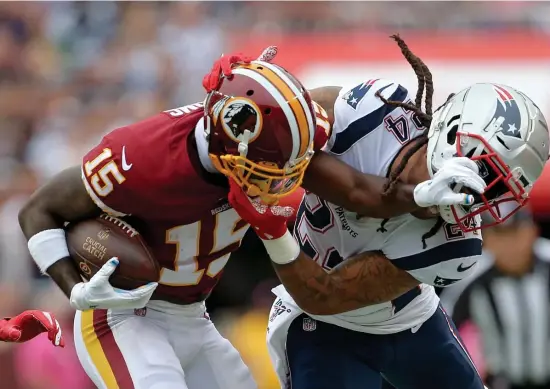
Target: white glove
[437, 191]
[98, 293]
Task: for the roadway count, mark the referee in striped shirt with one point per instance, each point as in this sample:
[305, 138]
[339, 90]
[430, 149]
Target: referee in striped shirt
[508, 303]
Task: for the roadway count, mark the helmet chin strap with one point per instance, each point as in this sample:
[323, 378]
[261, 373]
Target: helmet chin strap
[253, 189]
[243, 144]
[243, 151]
[202, 129]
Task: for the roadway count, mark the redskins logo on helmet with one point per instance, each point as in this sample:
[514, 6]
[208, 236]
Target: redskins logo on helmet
[261, 126]
[239, 115]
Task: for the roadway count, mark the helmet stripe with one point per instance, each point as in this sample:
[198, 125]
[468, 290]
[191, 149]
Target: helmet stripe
[291, 100]
[280, 99]
[309, 132]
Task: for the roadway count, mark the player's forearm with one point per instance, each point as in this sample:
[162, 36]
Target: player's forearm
[34, 220]
[367, 200]
[366, 279]
[340, 184]
[65, 275]
[62, 199]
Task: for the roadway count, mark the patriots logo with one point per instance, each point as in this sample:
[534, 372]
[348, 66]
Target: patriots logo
[442, 282]
[278, 309]
[354, 96]
[507, 111]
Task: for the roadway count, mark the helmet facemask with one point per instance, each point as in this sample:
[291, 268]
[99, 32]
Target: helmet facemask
[505, 133]
[507, 189]
[262, 179]
[243, 121]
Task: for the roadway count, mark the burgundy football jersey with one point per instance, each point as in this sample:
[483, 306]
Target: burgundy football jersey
[150, 172]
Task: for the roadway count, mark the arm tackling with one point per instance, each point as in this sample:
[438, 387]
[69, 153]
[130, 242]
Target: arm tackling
[345, 186]
[366, 279]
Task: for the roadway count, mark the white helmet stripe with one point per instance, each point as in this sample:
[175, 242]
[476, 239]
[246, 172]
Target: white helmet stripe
[298, 94]
[282, 103]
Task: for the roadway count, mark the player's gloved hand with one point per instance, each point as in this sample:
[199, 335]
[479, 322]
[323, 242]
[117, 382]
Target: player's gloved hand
[269, 222]
[438, 191]
[29, 324]
[98, 293]
[222, 67]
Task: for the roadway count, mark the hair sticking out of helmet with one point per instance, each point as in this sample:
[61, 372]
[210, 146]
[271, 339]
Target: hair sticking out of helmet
[425, 82]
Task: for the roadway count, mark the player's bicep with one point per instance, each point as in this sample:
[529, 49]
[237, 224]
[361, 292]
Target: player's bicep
[324, 171]
[339, 183]
[370, 278]
[62, 199]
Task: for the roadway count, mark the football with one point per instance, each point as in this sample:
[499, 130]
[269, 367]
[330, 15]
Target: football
[93, 242]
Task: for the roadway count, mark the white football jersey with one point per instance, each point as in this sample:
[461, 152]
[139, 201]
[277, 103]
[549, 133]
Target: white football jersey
[368, 135]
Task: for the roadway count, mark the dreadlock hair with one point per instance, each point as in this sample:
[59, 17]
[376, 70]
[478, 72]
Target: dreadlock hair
[425, 82]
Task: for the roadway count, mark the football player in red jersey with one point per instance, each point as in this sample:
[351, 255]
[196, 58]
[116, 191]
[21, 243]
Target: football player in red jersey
[257, 125]
[30, 324]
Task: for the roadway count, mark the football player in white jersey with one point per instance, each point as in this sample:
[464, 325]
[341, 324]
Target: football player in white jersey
[349, 323]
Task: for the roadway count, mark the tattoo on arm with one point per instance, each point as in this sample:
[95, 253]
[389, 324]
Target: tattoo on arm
[366, 279]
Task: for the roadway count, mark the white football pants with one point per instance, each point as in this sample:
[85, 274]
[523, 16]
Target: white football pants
[162, 346]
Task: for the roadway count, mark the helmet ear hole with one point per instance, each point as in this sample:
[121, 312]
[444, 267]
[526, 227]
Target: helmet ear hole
[249, 92]
[451, 135]
[267, 111]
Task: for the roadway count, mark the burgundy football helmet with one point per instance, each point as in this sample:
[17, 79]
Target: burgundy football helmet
[260, 124]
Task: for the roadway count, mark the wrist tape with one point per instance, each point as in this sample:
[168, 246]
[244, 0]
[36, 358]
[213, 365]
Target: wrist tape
[47, 247]
[282, 250]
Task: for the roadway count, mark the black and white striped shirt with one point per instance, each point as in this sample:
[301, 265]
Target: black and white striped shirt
[512, 315]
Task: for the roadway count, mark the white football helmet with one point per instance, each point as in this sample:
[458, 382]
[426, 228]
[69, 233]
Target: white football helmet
[505, 133]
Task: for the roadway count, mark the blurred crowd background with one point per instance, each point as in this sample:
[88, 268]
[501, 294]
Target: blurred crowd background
[72, 71]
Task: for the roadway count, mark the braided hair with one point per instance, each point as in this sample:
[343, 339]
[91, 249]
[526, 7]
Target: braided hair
[425, 82]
